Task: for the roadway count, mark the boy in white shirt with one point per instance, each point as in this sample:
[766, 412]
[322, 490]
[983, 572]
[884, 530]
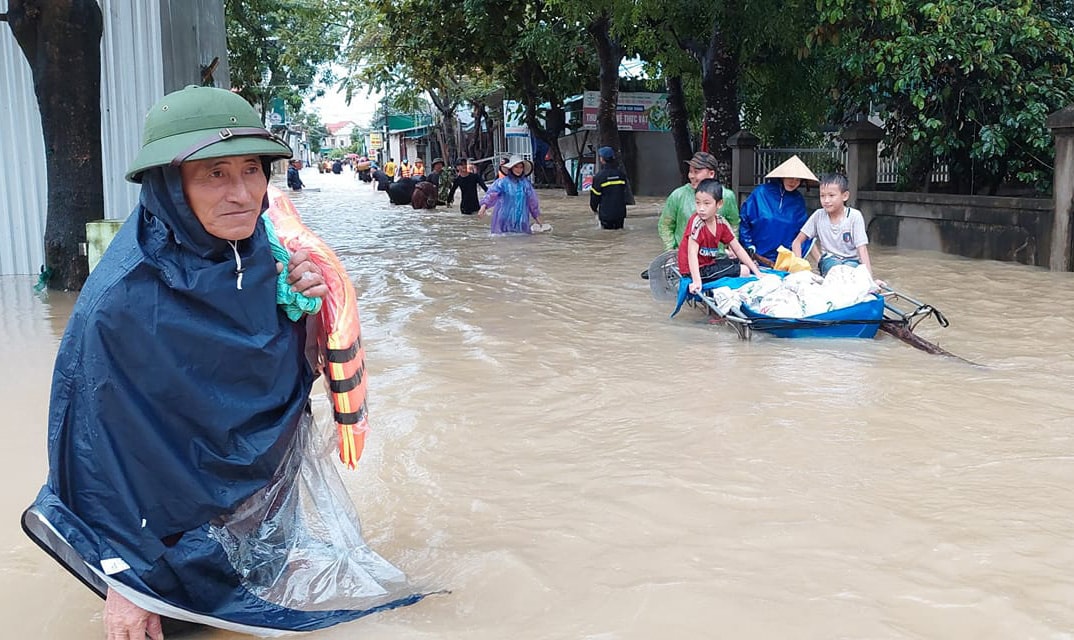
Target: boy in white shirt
[839, 229]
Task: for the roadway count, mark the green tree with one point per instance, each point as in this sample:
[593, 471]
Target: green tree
[462, 53]
[958, 81]
[312, 125]
[398, 48]
[598, 17]
[542, 66]
[279, 48]
[749, 60]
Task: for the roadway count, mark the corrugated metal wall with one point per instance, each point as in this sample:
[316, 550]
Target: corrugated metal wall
[22, 163]
[131, 81]
[193, 33]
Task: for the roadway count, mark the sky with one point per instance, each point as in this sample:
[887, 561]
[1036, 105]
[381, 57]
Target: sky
[334, 108]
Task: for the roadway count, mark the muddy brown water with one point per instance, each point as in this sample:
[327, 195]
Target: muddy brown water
[571, 463]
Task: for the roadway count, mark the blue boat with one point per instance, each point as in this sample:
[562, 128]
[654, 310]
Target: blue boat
[861, 320]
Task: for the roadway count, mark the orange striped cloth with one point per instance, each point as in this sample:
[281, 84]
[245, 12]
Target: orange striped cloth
[341, 333]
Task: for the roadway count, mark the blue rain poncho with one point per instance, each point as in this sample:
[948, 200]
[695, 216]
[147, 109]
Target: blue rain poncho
[181, 439]
[771, 216]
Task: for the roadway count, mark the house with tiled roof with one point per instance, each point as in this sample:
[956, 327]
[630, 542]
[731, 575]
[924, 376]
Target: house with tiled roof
[339, 135]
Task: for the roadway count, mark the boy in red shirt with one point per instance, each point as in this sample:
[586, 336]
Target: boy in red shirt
[700, 257]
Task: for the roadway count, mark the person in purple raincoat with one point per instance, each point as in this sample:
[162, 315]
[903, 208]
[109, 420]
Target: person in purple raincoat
[513, 199]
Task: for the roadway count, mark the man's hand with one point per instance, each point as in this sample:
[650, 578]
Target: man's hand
[124, 620]
[304, 276]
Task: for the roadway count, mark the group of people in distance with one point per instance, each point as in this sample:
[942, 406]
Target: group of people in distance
[511, 197]
[773, 216]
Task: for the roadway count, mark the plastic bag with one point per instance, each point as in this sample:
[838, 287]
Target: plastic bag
[814, 301]
[760, 287]
[787, 261]
[724, 299]
[801, 280]
[298, 542]
[845, 285]
[782, 303]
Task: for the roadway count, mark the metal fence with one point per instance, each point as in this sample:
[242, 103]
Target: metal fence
[834, 159]
[820, 160]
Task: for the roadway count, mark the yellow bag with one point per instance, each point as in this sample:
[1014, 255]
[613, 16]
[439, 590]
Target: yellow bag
[787, 261]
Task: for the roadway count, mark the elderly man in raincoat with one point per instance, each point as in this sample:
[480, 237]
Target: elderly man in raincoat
[180, 421]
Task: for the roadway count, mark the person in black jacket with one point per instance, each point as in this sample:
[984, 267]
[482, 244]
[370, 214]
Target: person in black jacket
[293, 179]
[608, 195]
[382, 179]
[467, 183]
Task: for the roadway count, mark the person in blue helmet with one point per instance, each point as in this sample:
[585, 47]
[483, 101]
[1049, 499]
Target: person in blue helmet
[180, 418]
[775, 210]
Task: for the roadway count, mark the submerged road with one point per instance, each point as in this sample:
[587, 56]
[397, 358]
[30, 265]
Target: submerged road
[571, 463]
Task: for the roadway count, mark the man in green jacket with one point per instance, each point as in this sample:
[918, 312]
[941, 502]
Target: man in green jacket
[680, 204]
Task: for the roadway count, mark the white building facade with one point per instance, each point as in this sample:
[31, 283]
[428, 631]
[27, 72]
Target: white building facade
[339, 135]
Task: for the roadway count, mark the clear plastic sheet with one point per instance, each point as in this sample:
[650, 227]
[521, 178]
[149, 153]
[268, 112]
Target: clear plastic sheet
[298, 542]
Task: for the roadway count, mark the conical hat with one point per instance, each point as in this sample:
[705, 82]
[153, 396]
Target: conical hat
[793, 167]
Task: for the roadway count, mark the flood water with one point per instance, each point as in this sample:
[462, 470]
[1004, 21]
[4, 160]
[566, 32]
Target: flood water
[569, 462]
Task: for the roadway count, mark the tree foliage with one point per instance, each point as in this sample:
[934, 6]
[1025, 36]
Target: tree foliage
[545, 64]
[467, 53]
[958, 81]
[741, 64]
[312, 125]
[279, 48]
[399, 48]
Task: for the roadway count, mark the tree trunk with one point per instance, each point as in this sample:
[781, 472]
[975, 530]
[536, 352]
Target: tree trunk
[719, 84]
[543, 134]
[452, 135]
[478, 146]
[61, 40]
[609, 57]
[680, 124]
[447, 127]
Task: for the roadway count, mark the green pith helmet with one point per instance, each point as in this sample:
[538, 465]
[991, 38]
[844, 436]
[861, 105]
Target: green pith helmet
[196, 123]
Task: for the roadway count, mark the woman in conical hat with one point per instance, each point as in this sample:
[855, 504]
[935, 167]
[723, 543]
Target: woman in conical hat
[775, 211]
[514, 199]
